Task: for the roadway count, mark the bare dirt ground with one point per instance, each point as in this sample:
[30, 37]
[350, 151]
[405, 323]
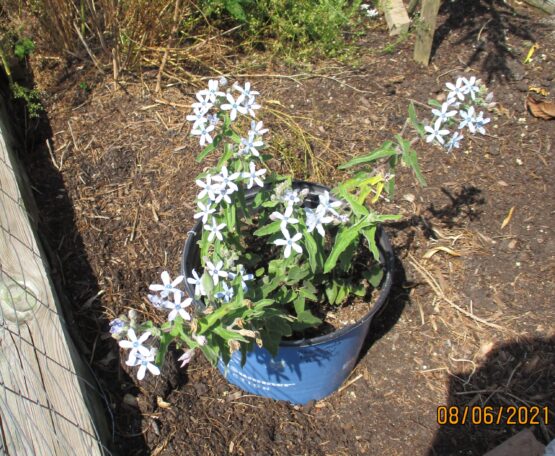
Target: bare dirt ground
[470, 329]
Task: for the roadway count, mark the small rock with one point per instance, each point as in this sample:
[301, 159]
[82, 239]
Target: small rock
[522, 86]
[130, 400]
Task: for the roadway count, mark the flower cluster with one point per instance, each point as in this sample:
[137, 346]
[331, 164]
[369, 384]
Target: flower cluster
[369, 11]
[458, 111]
[266, 245]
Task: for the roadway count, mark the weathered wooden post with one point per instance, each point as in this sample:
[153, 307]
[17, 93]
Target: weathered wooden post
[425, 30]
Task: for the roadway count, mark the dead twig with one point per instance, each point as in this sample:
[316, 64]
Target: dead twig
[440, 293]
[170, 43]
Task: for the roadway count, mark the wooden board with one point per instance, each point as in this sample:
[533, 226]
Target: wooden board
[396, 17]
[42, 406]
[547, 6]
[425, 31]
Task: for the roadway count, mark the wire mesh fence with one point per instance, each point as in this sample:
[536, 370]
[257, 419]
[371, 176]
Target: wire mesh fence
[47, 396]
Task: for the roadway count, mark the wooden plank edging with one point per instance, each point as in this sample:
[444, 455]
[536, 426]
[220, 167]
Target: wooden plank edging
[44, 408]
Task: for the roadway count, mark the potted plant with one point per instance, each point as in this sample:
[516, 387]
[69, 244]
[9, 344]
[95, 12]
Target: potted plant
[269, 257]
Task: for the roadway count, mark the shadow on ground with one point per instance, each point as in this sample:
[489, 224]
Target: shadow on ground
[486, 25]
[71, 272]
[516, 379]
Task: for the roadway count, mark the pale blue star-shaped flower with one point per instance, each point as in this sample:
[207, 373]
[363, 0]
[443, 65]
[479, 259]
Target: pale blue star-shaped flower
[156, 300]
[145, 362]
[456, 90]
[203, 131]
[208, 188]
[285, 218]
[215, 271]
[246, 91]
[444, 114]
[471, 87]
[203, 104]
[468, 119]
[480, 122]
[226, 294]
[215, 230]
[177, 307]
[257, 129]
[135, 344]
[212, 92]
[196, 280]
[205, 211]
[436, 133]
[226, 180]
[245, 277]
[223, 194]
[117, 326]
[197, 117]
[234, 106]
[254, 176]
[291, 197]
[251, 106]
[289, 242]
[327, 205]
[454, 141]
[316, 219]
[168, 286]
[250, 145]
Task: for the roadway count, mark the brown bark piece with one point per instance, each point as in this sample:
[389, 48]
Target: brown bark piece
[540, 109]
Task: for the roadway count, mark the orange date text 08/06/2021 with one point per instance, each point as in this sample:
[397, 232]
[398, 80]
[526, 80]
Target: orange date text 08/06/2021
[477, 415]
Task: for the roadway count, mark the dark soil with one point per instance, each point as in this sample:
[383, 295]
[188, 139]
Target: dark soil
[117, 204]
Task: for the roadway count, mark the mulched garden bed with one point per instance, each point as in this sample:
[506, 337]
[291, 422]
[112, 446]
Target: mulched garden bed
[117, 200]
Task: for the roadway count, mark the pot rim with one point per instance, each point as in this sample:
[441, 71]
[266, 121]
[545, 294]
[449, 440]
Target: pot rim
[387, 259]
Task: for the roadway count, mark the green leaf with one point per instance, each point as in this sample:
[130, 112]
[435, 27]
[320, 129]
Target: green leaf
[308, 294]
[374, 275]
[299, 304]
[230, 216]
[356, 207]
[331, 292]
[370, 235]
[234, 8]
[278, 325]
[258, 305]
[411, 159]
[267, 288]
[271, 203]
[386, 150]
[228, 153]
[344, 238]
[434, 103]
[209, 148]
[343, 290]
[266, 230]
[227, 334]
[315, 259]
[346, 257]
[414, 121]
[305, 319]
[296, 274]
[358, 289]
[207, 283]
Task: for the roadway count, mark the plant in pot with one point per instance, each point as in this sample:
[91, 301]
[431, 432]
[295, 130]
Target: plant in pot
[269, 259]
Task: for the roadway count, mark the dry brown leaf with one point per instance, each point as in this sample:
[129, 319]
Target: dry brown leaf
[539, 90]
[161, 403]
[508, 218]
[430, 253]
[540, 109]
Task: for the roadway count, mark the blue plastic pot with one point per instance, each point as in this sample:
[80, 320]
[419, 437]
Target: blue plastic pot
[307, 369]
